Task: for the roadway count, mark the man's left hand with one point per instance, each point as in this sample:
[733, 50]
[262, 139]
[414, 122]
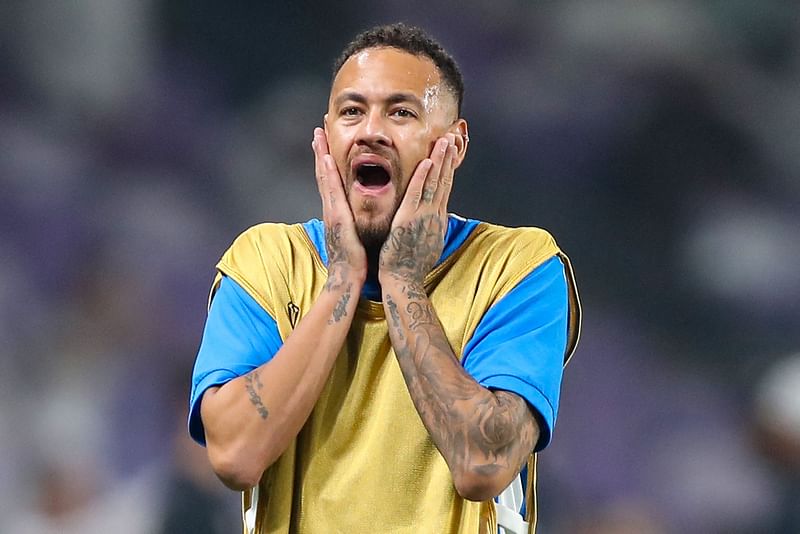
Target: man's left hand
[416, 238]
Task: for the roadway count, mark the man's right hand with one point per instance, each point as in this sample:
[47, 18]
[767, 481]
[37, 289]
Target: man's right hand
[251, 420]
[346, 255]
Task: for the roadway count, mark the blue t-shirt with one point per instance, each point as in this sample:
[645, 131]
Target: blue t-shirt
[518, 345]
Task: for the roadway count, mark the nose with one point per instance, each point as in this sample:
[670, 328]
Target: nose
[373, 130]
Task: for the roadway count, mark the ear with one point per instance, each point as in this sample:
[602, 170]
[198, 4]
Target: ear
[461, 131]
[325, 124]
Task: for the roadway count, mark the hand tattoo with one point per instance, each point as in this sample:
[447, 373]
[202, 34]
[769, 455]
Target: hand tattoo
[411, 251]
[333, 240]
[338, 257]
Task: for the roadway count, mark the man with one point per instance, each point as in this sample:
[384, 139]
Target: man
[392, 367]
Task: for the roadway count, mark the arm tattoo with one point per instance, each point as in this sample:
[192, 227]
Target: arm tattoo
[470, 425]
[504, 431]
[420, 314]
[253, 384]
[395, 317]
[340, 310]
[414, 293]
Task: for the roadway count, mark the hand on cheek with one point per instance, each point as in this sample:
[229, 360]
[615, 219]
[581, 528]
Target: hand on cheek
[416, 239]
[346, 254]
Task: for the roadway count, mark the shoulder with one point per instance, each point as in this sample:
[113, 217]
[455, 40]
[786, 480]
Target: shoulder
[268, 257]
[266, 242]
[516, 234]
[525, 247]
[267, 233]
[517, 252]
[493, 260]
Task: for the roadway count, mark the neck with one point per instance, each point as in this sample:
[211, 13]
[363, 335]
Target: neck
[373, 256]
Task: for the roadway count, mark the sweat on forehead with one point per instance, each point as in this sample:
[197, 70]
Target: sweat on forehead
[413, 41]
[390, 71]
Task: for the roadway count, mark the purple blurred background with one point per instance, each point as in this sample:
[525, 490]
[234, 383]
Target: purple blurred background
[657, 140]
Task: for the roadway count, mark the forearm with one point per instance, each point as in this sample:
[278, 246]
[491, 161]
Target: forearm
[483, 436]
[251, 420]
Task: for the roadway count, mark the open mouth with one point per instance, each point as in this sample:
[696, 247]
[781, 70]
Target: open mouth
[371, 175]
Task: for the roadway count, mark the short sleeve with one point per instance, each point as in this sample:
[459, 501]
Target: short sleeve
[519, 344]
[239, 336]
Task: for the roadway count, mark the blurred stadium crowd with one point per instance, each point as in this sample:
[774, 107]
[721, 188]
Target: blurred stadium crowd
[658, 140]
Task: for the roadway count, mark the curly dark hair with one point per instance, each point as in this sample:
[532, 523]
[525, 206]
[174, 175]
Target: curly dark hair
[414, 41]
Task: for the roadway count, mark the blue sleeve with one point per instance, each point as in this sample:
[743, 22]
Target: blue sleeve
[519, 344]
[238, 337]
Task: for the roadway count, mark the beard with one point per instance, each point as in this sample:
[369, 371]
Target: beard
[372, 227]
[371, 231]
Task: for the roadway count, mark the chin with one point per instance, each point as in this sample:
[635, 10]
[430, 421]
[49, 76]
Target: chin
[373, 234]
[372, 226]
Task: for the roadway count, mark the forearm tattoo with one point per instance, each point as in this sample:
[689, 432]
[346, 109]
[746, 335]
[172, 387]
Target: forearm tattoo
[340, 310]
[420, 314]
[395, 316]
[492, 431]
[253, 385]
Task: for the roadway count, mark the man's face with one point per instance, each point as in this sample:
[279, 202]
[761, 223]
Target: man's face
[385, 112]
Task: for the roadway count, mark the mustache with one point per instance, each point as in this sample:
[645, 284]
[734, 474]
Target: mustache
[383, 152]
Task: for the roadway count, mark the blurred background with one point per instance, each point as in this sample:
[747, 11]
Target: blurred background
[657, 140]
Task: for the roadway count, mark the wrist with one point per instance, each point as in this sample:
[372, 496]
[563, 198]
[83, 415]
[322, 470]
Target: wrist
[401, 274]
[341, 275]
[390, 281]
[388, 278]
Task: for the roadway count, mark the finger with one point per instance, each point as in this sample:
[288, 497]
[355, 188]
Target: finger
[321, 177]
[446, 176]
[322, 140]
[329, 181]
[320, 147]
[413, 194]
[318, 174]
[437, 157]
[333, 180]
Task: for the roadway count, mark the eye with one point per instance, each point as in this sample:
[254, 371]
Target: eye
[351, 111]
[404, 113]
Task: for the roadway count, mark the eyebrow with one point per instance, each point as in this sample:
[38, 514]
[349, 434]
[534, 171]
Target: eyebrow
[394, 98]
